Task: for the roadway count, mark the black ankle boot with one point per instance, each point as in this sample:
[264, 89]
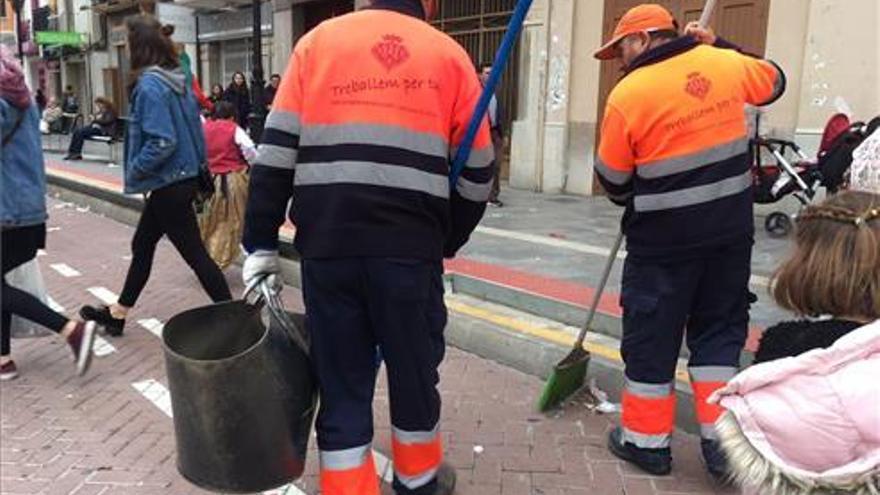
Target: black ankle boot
[102, 316]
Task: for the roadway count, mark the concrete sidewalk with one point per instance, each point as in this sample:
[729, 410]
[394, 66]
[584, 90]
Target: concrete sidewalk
[110, 432]
[519, 289]
[542, 245]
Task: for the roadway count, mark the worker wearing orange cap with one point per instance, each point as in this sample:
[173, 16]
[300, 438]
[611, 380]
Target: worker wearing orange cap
[675, 152]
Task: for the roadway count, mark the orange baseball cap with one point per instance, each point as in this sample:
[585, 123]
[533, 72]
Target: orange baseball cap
[645, 17]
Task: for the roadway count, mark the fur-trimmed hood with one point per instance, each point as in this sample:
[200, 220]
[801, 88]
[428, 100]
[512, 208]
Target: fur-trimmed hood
[807, 424]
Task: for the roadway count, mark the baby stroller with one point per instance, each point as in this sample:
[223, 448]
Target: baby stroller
[792, 172]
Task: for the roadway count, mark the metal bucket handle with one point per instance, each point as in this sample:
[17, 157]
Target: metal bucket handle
[265, 294]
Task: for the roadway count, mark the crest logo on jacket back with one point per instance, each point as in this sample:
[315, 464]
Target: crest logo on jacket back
[698, 85]
[390, 52]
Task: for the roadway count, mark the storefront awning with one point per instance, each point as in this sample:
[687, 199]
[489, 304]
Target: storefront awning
[59, 38]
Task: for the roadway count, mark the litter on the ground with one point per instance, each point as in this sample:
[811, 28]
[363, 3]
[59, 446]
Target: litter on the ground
[601, 405]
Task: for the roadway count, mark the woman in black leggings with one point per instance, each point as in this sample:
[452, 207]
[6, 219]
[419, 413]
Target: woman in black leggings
[166, 148]
[23, 219]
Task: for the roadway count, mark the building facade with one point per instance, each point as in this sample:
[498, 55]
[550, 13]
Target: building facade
[829, 49]
[554, 91]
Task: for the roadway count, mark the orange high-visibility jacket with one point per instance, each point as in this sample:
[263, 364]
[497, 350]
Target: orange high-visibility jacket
[367, 117]
[674, 146]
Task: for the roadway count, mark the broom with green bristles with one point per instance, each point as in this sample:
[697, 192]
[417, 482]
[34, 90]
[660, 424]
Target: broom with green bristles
[570, 374]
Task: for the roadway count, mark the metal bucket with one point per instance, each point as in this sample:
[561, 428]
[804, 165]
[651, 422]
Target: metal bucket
[243, 395]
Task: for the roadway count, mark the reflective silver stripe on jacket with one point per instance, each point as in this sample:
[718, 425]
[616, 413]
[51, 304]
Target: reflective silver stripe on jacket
[375, 174]
[694, 195]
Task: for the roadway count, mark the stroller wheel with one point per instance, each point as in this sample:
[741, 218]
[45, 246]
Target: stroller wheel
[778, 224]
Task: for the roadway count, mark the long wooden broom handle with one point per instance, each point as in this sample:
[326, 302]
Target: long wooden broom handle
[707, 12]
[594, 306]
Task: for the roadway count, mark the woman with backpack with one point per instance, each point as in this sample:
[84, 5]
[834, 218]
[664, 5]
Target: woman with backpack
[23, 212]
[166, 150]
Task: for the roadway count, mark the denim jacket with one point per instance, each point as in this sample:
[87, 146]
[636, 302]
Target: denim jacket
[164, 143]
[23, 178]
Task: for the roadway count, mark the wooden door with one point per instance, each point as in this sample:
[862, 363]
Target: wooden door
[115, 93]
[743, 22]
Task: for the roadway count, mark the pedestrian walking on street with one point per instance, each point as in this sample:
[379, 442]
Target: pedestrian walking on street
[806, 418]
[165, 148]
[271, 90]
[103, 123]
[69, 107]
[240, 96]
[41, 100]
[51, 121]
[230, 150]
[192, 82]
[70, 102]
[497, 130]
[23, 193]
[216, 95]
[368, 171]
[674, 151]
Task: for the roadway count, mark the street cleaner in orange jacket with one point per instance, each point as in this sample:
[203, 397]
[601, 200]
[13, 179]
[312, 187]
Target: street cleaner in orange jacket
[369, 113]
[675, 152]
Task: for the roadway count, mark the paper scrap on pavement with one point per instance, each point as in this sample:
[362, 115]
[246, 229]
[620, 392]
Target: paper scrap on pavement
[601, 405]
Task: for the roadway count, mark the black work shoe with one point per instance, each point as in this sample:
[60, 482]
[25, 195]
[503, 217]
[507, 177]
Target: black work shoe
[446, 479]
[654, 461]
[444, 482]
[716, 461]
[101, 315]
[73, 156]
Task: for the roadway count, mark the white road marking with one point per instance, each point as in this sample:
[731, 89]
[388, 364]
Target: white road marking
[756, 280]
[153, 326]
[286, 490]
[53, 305]
[102, 347]
[105, 295]
[156, 393]
[65, 270]
[41, 252]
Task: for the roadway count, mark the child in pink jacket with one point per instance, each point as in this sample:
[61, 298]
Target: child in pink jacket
[806, 417]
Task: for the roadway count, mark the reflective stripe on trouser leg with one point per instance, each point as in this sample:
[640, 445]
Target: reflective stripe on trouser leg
[705, 380]
[417, 456]
[349, 472]
[648, 417]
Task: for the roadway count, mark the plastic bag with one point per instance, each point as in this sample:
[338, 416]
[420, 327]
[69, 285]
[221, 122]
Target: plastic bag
[28, 278]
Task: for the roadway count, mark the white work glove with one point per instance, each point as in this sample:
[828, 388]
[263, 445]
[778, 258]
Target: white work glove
[262, 263]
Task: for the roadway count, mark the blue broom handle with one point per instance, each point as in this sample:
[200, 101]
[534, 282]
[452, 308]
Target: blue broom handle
[501, 58]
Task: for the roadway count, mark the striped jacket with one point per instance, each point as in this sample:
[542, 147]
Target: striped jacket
[675, 149]
[367, 117]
